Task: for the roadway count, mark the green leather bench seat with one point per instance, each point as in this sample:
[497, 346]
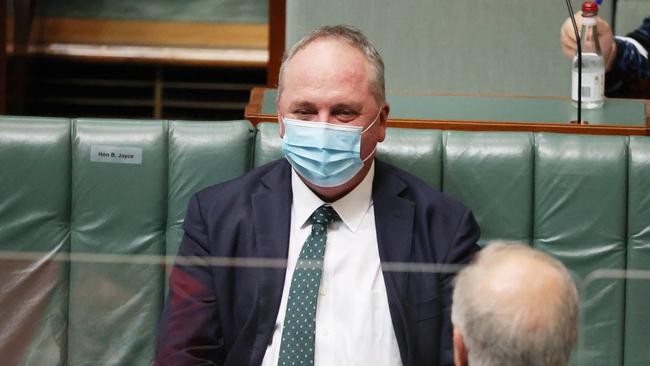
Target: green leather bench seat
[100, 305]
[35, 221]
[201, 154]
[117, 209]
[580, 189]
[83, 238]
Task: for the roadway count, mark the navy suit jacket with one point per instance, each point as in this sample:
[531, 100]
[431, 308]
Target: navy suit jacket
[225, 315]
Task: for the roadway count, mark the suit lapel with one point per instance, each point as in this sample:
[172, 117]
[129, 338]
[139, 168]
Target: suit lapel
[272, 212]
[272, 221]
[394, 217]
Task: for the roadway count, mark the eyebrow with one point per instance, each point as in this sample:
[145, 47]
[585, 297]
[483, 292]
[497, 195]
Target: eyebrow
[302, 104]
[342, 106]
[336, 107]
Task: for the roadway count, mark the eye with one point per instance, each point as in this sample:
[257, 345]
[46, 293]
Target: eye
[303, 112]
[346, 115]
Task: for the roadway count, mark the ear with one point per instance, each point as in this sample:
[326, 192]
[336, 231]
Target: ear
[460, 352]
[278, 115]
[281, 123]
[383, 121]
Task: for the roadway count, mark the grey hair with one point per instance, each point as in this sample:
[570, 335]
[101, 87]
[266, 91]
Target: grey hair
[355, 38]
[499, 334]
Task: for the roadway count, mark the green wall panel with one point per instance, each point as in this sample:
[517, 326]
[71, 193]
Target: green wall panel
[630, 15]
[462, 46]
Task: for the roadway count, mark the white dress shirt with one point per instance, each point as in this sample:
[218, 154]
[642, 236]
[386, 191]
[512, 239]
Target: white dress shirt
[353, 323]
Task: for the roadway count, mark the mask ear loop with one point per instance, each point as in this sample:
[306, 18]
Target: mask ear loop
[372, 153]
[373, 122]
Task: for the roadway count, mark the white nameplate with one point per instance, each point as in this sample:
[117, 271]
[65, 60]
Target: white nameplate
[116, 154]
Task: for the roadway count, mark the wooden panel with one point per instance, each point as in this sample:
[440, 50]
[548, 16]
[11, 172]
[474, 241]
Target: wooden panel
[148, 41]
[147, 33]
[253, 110]
[277, 31]
[3, 57]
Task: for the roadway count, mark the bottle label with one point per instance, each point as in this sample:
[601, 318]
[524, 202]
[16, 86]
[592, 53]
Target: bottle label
[589, 20]
[593, 86]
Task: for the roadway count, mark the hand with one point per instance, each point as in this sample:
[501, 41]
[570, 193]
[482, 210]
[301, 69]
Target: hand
[605, 38]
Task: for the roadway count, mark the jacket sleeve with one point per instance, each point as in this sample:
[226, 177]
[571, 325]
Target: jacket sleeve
[190, 332]
[462, 250]
[630, 73]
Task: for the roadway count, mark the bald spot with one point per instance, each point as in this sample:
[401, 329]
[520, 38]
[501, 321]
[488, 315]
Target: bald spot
[523, 283]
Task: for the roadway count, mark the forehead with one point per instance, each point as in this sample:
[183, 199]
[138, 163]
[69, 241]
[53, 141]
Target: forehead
[328, 68]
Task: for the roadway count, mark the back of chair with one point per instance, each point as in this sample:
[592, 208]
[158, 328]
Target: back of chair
[35, 178]
[88, 209]
[637, 294]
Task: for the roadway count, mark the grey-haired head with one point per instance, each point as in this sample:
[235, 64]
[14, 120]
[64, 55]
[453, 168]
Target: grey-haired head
[353, 37]
[514, 305]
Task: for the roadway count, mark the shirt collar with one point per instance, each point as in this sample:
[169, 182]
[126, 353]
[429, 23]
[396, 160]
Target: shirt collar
[351, 208]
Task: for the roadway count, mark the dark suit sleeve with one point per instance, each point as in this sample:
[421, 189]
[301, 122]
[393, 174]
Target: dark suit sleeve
[630, 73]
[190, 331]
[461, 251]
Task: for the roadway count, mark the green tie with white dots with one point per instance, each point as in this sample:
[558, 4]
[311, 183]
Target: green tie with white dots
[299, 331]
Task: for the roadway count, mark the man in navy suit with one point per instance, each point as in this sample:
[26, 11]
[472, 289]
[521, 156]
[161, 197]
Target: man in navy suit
[371, 310]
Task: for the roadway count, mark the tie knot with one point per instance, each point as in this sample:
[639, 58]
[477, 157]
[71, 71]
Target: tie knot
[324, 215]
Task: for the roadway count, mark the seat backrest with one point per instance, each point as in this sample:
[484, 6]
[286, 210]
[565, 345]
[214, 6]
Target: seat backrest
[91, 206]
[34, 227]
[637, 321]
[498, 46]
[119, 200]
[202, 154]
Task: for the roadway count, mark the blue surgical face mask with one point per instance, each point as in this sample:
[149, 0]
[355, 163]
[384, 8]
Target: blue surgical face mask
[325, 154]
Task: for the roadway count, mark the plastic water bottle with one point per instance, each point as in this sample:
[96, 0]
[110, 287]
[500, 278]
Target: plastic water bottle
[593, 64]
